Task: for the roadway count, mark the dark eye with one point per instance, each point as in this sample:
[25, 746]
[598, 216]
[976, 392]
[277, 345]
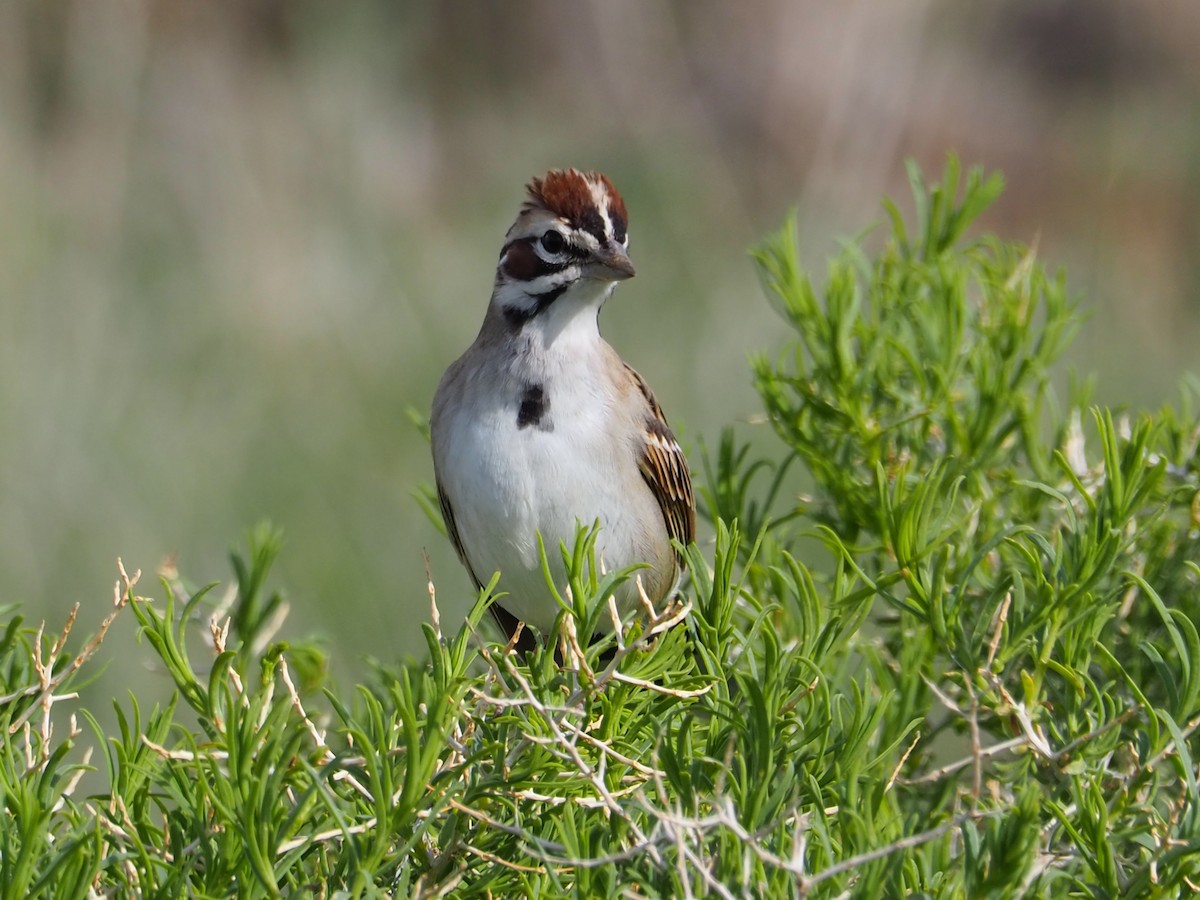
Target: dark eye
[553, 242]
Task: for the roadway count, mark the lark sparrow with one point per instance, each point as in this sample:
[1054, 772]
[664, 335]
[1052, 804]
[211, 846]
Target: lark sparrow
[540, 425]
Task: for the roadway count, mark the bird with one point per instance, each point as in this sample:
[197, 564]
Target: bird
[540, 426]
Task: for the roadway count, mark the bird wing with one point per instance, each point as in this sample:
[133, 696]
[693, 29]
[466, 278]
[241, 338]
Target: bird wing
[665, 469]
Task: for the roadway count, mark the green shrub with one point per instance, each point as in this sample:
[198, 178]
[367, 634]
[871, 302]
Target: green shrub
[967, 665]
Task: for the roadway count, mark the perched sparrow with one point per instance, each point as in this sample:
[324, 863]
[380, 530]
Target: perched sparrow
[540, 426]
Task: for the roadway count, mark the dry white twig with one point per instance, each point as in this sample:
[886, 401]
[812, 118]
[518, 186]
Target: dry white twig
[44, 691]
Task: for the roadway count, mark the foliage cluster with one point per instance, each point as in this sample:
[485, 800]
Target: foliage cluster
[966, 665]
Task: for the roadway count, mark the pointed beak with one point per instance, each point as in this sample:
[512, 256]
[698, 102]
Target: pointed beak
[611, 262]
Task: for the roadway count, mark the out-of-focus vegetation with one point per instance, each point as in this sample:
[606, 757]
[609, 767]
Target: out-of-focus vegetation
[987, 684]
[239, 239]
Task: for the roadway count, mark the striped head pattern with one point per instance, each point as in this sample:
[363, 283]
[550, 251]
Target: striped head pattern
[570, 240]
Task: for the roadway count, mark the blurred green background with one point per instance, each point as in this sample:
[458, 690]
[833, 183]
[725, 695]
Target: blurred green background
[238, 238]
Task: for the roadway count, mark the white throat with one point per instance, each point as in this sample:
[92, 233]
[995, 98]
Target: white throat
[568, 322]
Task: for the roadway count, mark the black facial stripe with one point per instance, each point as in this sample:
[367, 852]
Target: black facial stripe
[618, 228]
[516, 316]
[593, 223]
[571, 249]
[534, 406]
[545, 267]
[522, 262]
[571, 253]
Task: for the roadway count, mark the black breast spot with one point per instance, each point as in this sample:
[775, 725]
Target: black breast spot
[534, 406]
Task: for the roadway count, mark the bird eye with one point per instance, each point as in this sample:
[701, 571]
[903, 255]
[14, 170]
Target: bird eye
[553, 242]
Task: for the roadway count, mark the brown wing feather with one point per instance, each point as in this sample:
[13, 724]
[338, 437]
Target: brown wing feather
[665, 469]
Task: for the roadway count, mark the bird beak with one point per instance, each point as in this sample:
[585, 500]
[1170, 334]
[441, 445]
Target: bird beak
[611, 262]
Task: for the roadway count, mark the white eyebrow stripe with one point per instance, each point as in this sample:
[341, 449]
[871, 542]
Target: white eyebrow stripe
[586, 238]
[600, 198]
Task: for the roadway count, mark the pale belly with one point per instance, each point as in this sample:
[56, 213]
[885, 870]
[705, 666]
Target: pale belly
[506, 490]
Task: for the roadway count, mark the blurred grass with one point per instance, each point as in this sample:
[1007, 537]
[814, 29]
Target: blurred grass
[237, 240]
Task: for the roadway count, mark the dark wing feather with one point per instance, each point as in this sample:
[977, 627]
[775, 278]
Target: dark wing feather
[665, 469]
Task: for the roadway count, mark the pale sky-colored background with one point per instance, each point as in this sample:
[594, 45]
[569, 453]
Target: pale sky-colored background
[239, 238]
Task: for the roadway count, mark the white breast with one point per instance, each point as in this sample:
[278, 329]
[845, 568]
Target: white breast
[506, 483]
